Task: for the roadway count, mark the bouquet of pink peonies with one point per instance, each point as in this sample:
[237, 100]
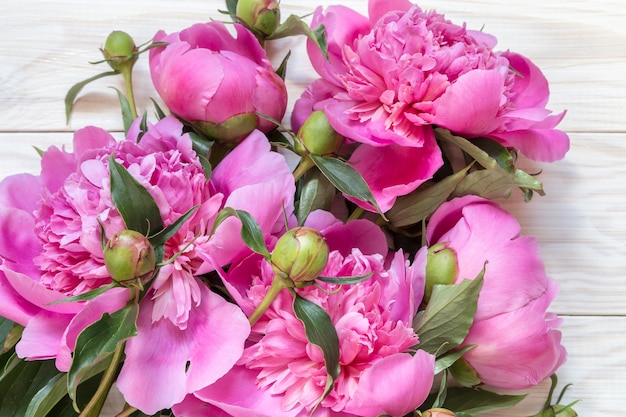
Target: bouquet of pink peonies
[352, 261]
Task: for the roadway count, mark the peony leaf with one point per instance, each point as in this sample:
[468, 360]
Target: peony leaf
[164, 234]
[415, 207]
[444, 362]
[346, 280]
[251, 233]
[96, 344]
[474, 401]
[87, 295]
[294, 25]
[231, 5]
[73, 92]
[498, 183]
[497, 152]
[127, 115]
[321, 332]
[134, 203]
[345, 178]
[448, 315]
[316, 192]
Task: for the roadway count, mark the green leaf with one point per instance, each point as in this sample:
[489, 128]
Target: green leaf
[497, 152]
[468, 147]
[5, 327]
[444, 362]
[281, 71]
[98, 341]
[345, 178]
[294, 25]
[497, 183]
[134, 203]
[346, 280]
[415, 207]
[477, 401]
[88, 295]
[448, 316]
[316, 192]
[48, 396]
[164, 234]
[201, 145]
[127, 115]
[251, 234]
[73, 92]
[22, 381]
[321, 332]
[231, 6]
[159, 111]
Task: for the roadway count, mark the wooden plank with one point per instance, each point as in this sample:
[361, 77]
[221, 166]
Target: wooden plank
[579, 47]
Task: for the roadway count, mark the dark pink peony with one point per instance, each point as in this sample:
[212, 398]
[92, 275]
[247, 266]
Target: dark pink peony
[284, 375]
[50, 249]
[517, 341]
[217, 81]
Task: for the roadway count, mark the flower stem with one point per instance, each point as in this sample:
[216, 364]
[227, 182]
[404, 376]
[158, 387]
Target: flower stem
[93, 408]
[305, 164]
[127, 73]
[356, 214]
[278, 284]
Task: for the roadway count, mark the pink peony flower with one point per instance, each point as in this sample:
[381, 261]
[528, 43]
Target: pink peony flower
[216, 81]
[517, 344]
[50, 249]
[284, 374]
[393, 76]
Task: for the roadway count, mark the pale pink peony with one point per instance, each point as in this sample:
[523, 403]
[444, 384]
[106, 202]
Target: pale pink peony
[206, 75]
[284, 375]
[393, 76]
[50, 248]
[517, 341]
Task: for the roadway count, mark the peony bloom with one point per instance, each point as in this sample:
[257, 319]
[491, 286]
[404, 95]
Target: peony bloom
[282, 374]
[218, 82]
[51, 249]
[392, 76]
[517, 344]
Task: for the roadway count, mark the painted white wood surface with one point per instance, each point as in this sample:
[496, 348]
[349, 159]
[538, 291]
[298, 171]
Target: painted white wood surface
[580, 45]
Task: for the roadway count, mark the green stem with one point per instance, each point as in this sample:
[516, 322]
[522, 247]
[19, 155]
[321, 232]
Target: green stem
[127, 412]
[305, 164]
[356, 214]
[278, 284]
[127, 73]
[94, 406]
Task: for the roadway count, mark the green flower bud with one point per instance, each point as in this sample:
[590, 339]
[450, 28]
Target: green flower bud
[129, 258]
[441, 268]
[120, 50]
[317, 136]
[438, 412]
[300, 254]
[261, 15]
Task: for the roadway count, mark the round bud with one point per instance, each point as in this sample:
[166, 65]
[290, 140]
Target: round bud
[317, 136]
[129, 257]
[301, 254]
[120, 50]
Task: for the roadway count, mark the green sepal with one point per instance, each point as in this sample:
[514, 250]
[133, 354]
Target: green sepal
[346, 179]
[73, 92]
[446, 321]
[97, 342]
[134, 203]
[346, 280]
[321, 332]
[294, 26]
[158, 110]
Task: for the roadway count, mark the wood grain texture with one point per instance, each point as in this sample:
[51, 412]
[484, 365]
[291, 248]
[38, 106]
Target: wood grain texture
[580, 45]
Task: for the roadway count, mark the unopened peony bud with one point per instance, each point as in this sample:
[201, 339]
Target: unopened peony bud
[261, 15]
[441, 268]
[438, 412]
[120, 50]
[129, 258]
[300, 254]
[317, 136]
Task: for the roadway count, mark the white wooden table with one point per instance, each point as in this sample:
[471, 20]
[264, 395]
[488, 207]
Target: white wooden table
[580, 45]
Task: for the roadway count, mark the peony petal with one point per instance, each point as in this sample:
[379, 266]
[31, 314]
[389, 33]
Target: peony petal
[173, 362]
[531, 86]
[392, 171]
[395, 385]
[12, 192]
[378, 8]
[542, 145]
[13, 306]
[19, 244]
[42, 336]
[470, 105]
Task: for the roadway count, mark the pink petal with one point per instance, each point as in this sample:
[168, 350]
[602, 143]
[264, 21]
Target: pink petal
[404, 280]
[19, 244]
[542, 145]
[470, 105]
[395, 385]
[531, 86]
[42, 336]
[12, 192]
[378, 8]
[202, 353]
[13, 306]
[392, 171]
